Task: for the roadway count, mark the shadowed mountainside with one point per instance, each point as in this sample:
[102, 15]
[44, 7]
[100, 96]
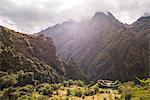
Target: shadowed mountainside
[31, 53]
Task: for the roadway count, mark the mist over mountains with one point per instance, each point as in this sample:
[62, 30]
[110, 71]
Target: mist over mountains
[103, 47]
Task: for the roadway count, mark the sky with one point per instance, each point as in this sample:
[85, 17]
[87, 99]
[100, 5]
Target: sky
[31, 16]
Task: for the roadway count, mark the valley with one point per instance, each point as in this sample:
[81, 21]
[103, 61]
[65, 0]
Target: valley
[95, 59]
[102, 47]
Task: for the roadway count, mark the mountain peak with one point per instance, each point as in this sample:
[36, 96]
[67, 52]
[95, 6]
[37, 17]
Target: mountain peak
[99, 14]
[106, 17]
[103, 14]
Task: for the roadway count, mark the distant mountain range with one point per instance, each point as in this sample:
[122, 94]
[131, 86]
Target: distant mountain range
[104, 48]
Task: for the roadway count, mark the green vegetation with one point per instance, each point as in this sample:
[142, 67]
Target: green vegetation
[26, 52]
[19, 79]
[130, 90]
[24, 86]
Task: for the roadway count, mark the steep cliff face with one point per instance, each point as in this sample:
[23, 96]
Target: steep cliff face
[30, 53]
[102, 46]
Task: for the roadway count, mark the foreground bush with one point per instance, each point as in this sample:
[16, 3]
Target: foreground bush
[28, 89]
[8, 80]
[78, 93]
[45, 89]
[89, 92]
[130, 90]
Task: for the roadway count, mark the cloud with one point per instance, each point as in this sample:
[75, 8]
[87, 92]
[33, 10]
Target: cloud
[34, 15]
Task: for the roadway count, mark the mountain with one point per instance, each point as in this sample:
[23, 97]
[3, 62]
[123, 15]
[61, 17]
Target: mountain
[104, 47]
[142, 30]
[32, 53]
[29, 53]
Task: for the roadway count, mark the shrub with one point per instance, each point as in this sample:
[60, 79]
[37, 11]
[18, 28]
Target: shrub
[11, 93]
[3, 73]
[28, 89]
[91, 84]
[55, 86]
[80, 83]
[70, 82]
[78, 93]
[25, 78]
[145, 82]
[89, 92]
[129, 90]
[8, 80]
[127, 96]
[66, 84]
[95, 88]
[45, 89]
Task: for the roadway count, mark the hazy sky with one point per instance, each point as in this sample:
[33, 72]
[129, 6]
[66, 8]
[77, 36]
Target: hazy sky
[34, 15]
